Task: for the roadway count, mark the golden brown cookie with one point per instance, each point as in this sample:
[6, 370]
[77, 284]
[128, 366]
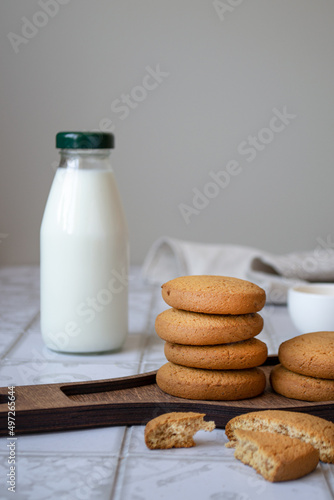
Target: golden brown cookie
[311, 354]
[274, 456]
[191, 328]
[310, 429]
[213, 295]
[175, 430]
[236, 356]
[219, 385]
[296, 386]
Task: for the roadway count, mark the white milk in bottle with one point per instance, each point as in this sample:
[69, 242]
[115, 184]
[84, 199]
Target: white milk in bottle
[84, 250]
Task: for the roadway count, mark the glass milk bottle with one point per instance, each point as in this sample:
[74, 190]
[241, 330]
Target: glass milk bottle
[84, 250]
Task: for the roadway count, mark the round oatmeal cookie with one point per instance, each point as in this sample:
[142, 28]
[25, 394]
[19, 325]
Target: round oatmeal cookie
[235, 356]
[311, 354]
[213, 295]
[302, 387]
[213, 385]
[191, 328]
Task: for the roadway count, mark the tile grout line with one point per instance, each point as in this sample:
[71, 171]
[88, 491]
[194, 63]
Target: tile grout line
[118, 482]
[324, 470]
[7, 351]
[118, 473]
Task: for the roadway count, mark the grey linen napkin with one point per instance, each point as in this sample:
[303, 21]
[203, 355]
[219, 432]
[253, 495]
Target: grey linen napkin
[169, 258]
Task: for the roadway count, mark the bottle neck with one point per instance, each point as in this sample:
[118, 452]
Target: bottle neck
[85, 159]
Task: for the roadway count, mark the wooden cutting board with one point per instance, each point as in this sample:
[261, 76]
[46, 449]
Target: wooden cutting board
[128, 401]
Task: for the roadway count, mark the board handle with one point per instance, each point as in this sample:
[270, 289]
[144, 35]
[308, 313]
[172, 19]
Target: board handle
[46, 396]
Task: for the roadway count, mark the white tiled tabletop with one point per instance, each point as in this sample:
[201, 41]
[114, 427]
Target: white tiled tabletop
[113, 462]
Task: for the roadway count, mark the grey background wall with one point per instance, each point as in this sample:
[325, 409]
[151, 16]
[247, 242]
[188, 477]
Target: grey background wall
[223, 114]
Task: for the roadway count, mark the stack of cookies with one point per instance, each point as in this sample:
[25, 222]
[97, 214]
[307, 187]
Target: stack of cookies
[209, 332]
[306, 369]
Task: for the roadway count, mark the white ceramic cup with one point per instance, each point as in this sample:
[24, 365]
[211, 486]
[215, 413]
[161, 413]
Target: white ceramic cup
[311, 307]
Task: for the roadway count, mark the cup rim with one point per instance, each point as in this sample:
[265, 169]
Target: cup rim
[315, 289]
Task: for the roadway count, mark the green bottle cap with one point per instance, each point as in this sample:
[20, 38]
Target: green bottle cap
[84, 140]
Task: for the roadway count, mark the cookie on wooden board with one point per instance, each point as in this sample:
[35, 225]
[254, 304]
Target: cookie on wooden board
[214, 385]
[235, 356]
[275, 456]
[310, 429]
[213, 295]
[296, 386]
[311, 354]
[191, 328]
